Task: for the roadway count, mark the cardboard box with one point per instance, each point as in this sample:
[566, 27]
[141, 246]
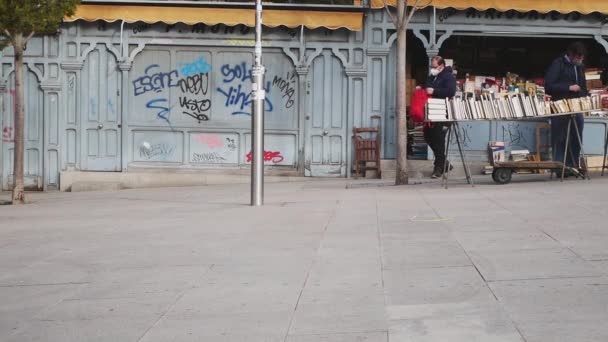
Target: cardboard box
[496, 150]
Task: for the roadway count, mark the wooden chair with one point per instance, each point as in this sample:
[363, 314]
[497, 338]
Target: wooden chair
[367, 150]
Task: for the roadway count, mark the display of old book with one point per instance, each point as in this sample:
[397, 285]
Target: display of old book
[512, 106]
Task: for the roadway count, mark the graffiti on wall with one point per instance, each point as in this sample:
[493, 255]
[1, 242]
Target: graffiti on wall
[200, 66]
[192, 81]
[210, 157]
[160, 151]
[213, 148]
[8, 134]
[193, 100]
[156, 81]
[237, 79]
[163, 111]
[287, 87]
[269, 156]
[513, 135]
[193, 84]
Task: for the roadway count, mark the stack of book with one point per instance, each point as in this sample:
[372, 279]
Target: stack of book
[576, 105]
[594, 78]
[418, 147]
[438, 110]
[491, 107]
[519, 155]
[505, 107]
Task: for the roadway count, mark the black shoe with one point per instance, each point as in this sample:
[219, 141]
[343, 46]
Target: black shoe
[437, 172]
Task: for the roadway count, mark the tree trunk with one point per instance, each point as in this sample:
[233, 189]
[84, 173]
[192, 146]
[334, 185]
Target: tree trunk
[19, 120]
[402, 176]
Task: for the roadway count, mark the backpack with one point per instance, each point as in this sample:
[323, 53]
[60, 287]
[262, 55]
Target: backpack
[419, 100]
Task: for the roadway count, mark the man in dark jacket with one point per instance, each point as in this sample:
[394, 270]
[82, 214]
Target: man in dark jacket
[441, 84]
[565, 79]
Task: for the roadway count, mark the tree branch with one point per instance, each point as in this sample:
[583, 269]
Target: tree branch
[405, 19]
[9, 36]
[29, 36]
[390, 15]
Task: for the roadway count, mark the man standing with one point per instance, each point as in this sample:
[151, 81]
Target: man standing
[441, 84]
[565, 79]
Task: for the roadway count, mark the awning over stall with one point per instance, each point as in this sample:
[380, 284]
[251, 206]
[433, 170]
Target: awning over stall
[543, 6]
[229, 16]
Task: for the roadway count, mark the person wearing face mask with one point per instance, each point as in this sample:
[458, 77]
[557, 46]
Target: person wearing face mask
[441, 84]
[565, 79]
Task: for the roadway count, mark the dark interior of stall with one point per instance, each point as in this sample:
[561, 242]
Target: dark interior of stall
[528, 57]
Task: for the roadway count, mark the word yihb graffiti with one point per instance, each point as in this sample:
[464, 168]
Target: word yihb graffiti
[155, 82]
[269, 156]
[237, 78]
[195, 85]
[287, 87]
[200, 66]
[155, 151]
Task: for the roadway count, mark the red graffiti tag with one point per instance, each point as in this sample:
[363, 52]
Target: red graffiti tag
[269, 156]
[7, 134]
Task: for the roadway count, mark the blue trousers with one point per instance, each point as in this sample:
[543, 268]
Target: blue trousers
[559, 131]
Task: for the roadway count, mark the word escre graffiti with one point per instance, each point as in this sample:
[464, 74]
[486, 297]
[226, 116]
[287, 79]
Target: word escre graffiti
[207, 157]
[155, 151]
[164, 111]
[197, 84]
[269, 156]
[286, 87]
[200, 66]
[236, 96]
[8, 134]
[155, 82]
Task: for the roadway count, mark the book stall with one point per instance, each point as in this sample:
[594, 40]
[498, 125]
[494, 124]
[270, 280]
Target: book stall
[512, 106]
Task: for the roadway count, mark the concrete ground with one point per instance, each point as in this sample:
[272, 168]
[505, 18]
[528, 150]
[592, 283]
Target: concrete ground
[322, 261]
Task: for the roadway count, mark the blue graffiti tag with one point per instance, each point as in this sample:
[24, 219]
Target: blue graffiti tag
[155, 82]
[163, 113]
[236, 91]
[200, 66]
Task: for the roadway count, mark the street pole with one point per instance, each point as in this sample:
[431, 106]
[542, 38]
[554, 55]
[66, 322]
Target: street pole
[257, 122]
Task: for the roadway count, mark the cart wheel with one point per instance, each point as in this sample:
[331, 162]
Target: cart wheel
[502, 175]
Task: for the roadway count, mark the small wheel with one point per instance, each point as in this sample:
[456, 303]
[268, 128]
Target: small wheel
[502, 175]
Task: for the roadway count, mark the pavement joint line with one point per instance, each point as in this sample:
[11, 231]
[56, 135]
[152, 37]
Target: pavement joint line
[485, 281]
[339, 333]
[539, 226]
[548, 278]
[295, 308]
[43, 284]
[178, 297]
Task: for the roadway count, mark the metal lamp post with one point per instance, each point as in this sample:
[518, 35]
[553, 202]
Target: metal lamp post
[257, 122]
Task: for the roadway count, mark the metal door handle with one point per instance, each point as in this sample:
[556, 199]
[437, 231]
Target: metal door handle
[325, 133]
[100, 126]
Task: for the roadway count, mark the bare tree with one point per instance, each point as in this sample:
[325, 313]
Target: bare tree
[401, 21]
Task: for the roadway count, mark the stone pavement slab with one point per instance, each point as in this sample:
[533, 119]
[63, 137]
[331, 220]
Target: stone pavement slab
[321, 261]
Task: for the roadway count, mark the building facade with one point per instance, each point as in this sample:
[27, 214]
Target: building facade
[121, 96]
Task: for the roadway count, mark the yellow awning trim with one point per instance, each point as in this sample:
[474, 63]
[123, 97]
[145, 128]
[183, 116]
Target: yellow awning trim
[212, 16]
[542, 6]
